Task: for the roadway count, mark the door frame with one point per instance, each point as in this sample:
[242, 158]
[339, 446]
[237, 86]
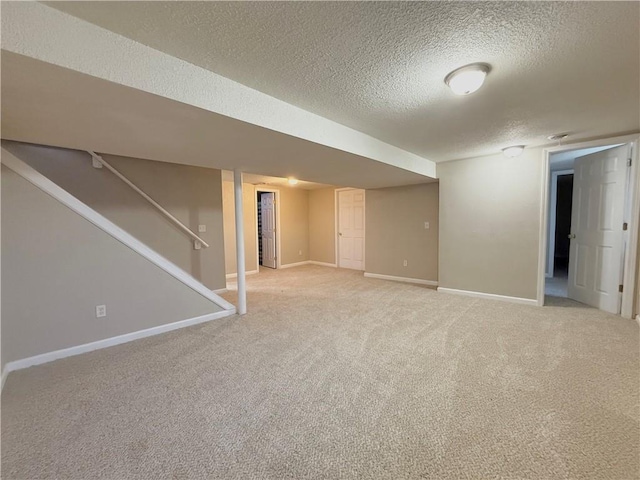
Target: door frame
[551, 235]
[631, 250]
[276, 211]
[337, 223]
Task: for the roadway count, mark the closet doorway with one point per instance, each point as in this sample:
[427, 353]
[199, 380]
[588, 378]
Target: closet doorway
[268, 230]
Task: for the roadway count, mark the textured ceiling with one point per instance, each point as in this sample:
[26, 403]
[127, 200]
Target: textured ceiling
[378, 67]
[51, 105]
[254, 179]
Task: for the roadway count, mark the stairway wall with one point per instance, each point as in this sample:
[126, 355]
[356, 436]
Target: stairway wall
[191, 194]
[57, 266]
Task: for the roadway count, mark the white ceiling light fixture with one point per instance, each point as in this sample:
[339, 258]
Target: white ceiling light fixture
[292, 181]
[467, 79]
[513, 151]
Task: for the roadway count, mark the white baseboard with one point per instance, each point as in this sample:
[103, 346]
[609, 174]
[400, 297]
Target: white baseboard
[419, 281]
[110, 342]
[220, 290]
[638, 319]
[489, 296]
[5, 372]
[297, 264]
[235, 275]
[286, 265]
[322, 264]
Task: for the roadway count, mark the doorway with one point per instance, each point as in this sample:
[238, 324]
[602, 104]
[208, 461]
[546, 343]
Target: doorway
[559, 230]
[589, 254]
[268, 232]
[350, 222]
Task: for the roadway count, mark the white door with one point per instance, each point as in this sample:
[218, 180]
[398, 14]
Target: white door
[268, 218]
[595, 255]
[351, 229]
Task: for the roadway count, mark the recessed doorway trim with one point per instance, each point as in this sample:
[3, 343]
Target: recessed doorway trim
[277, 213]
[631, 248]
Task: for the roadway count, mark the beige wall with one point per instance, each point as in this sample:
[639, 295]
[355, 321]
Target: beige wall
[637, 306]
[191, 194]
[395, 231]
[294, 225]
[57, 266]
[490, 223]
[250, 238]
[322, 225]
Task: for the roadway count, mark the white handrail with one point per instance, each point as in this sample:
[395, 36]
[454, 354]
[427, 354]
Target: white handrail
[178, 223]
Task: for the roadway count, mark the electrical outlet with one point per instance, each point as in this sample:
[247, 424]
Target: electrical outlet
[202, 228]
[197, 245]
[101, 311]
[426, 225]
[404, 264]
[299, 252]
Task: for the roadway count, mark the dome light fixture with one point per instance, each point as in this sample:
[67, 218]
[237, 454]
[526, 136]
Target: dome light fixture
[467, 79]
[513, 151]
[292, 181]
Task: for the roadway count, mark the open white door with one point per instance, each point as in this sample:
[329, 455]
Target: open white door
[595, 256]
[351, 229]
[268, 217]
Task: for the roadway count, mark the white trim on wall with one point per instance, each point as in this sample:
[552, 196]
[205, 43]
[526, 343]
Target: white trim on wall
[633, 244]
[551, 237]
[322, 264]
[308, 262]
[631, 250]
[229, 276]
[489, 296]
[288, 265]
[297, 264]
[43, 183]
[276, 200]
[392, 278]
[109, 342]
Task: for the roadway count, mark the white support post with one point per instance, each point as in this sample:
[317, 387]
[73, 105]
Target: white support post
[240, 261]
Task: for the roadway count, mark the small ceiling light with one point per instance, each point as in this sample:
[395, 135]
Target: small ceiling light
[558, 136]
[513, 151]
[467, 79]
[292, 181]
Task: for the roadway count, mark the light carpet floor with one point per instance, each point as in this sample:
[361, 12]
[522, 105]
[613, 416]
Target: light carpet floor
[332, 375]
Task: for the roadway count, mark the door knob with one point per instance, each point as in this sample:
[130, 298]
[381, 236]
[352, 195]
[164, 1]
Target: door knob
[571, 235]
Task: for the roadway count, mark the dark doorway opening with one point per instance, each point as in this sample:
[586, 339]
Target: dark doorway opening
[563, 225]
[259, 210]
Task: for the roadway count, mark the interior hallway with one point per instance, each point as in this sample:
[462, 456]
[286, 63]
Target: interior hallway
[557, 286]
[333, 375]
